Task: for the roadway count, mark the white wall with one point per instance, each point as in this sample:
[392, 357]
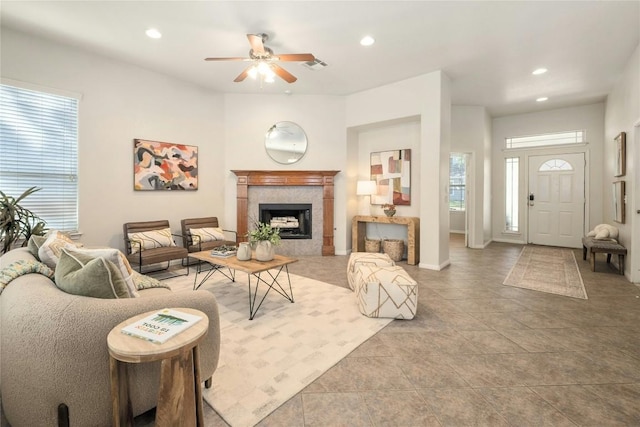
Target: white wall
[623, 115]
[470, 133]
[121, 102]
[587, 117]
[427, 97]
[247, 119]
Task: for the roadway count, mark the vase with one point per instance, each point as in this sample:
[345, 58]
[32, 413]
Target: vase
[244, 252]
[389, 212]
[265, 251]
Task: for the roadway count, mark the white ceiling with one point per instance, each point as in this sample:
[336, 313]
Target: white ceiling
[487, 48]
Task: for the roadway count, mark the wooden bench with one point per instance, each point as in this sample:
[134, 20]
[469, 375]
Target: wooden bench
[608, 247]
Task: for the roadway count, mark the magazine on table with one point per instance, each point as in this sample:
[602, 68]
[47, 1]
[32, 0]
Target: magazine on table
[161, 325]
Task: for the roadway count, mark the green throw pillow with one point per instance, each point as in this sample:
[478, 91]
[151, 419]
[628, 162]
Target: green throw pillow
[80, 274]
[34, 244]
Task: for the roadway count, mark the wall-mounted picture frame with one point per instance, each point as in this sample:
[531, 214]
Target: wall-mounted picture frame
[619, 201]
[621, 154]
[391, 170]
[164, 166]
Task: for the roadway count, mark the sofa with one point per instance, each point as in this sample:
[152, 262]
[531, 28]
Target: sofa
[54, 361]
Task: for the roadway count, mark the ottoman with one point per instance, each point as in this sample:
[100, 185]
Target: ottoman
[385, 292]
[365, 258]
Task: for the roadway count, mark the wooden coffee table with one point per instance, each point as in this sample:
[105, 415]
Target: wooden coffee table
[253, 268]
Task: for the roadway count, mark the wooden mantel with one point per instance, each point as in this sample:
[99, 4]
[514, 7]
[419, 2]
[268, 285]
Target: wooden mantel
[248, 178]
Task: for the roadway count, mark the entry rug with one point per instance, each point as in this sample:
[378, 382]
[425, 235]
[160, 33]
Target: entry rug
[266, 361]
[547, 269]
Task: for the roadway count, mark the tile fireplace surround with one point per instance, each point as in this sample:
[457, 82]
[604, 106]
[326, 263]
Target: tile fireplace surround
[324, 179]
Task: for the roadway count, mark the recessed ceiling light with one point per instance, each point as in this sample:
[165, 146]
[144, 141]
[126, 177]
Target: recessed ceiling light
[542, 99]
[539, 71]
[367, 41]
[153, 33]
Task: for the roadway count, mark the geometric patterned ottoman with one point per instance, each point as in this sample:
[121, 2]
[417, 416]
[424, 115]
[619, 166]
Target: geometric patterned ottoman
[366, 258]
[385, 292]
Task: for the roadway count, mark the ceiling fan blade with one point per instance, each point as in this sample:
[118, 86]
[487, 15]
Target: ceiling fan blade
[283, 74]
[257, 46]
[243, 75]
[307, 57]
[236, 58]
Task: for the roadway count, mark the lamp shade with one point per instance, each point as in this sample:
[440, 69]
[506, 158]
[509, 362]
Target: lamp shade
[366, 188]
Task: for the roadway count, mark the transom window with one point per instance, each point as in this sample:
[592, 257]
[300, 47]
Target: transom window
[39, 148]
[547, 139]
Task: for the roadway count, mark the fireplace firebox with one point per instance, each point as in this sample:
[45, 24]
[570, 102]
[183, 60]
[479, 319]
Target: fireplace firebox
[293, 219]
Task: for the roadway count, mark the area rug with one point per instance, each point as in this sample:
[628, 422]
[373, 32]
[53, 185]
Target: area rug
[266, 361]
[547, 269]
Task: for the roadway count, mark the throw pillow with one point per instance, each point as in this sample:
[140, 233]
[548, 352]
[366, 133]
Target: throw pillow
[118, 259]
[151, 239]
[49, 252]
[142, 281]
[208, 234]
[20, 267]
[80, 274]
[34, 244]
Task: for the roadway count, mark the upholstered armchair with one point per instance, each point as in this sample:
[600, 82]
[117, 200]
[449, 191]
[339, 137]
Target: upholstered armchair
[151, 242]
[203, 234]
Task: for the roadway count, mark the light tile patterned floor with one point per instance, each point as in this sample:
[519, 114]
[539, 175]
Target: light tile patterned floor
[480, 353]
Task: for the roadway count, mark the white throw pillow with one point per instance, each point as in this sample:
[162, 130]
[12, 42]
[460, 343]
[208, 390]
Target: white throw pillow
[118, 259]
[49, 252]
[208, 234]
[151, 239]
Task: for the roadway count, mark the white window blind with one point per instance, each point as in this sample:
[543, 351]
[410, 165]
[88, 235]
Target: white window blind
[39, 148]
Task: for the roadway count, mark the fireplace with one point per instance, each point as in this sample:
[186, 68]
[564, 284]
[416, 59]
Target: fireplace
[293, 219]
[285, 180]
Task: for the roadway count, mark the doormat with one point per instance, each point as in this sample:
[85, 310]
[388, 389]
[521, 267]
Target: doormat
[547, 269]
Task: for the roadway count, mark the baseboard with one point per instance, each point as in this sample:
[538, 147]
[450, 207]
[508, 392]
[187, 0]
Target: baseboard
[435, 267]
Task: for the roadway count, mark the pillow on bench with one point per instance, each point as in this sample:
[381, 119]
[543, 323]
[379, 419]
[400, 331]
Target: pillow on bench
[151, 239]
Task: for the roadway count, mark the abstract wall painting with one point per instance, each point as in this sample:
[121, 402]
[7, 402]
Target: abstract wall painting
[164, 166]
[392, 172]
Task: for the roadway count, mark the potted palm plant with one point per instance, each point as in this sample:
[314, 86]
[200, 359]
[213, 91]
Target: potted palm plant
[17, 222]
[264, 237]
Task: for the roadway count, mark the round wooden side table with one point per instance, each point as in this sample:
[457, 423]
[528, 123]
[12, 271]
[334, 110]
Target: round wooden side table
[180, 395]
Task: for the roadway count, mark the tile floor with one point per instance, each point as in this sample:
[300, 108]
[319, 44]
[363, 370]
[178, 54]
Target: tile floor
[481, 353]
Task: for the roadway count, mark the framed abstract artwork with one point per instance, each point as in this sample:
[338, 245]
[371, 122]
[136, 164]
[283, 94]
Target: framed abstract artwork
[621, 154]
[391, 170]
[164, 166]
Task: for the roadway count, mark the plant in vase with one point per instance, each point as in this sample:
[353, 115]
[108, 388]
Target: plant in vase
[389, 209]
[18, 222]
[264, 237]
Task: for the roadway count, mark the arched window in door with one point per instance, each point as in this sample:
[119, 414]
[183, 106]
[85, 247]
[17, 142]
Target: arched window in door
[555, 165]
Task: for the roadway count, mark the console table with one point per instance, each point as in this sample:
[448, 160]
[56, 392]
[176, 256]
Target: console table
[359, 232]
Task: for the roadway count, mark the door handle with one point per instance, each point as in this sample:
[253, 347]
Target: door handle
[532, 197]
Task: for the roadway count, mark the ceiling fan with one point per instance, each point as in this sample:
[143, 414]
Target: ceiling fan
[264, 61]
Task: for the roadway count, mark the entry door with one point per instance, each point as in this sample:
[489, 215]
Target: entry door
[556, 200]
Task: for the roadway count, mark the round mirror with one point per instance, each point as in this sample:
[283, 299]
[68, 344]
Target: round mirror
[286, 142]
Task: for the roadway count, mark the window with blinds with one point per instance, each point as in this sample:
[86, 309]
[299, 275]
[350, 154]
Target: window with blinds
[39, 148]
[547, 139]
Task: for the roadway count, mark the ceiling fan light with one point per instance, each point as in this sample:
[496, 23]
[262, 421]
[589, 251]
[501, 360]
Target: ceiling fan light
[253, 72]
[264, 69]
[270, 78]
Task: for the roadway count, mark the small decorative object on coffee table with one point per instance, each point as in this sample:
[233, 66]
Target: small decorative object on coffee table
[265, 238]
[244, 251]
[389, 209]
